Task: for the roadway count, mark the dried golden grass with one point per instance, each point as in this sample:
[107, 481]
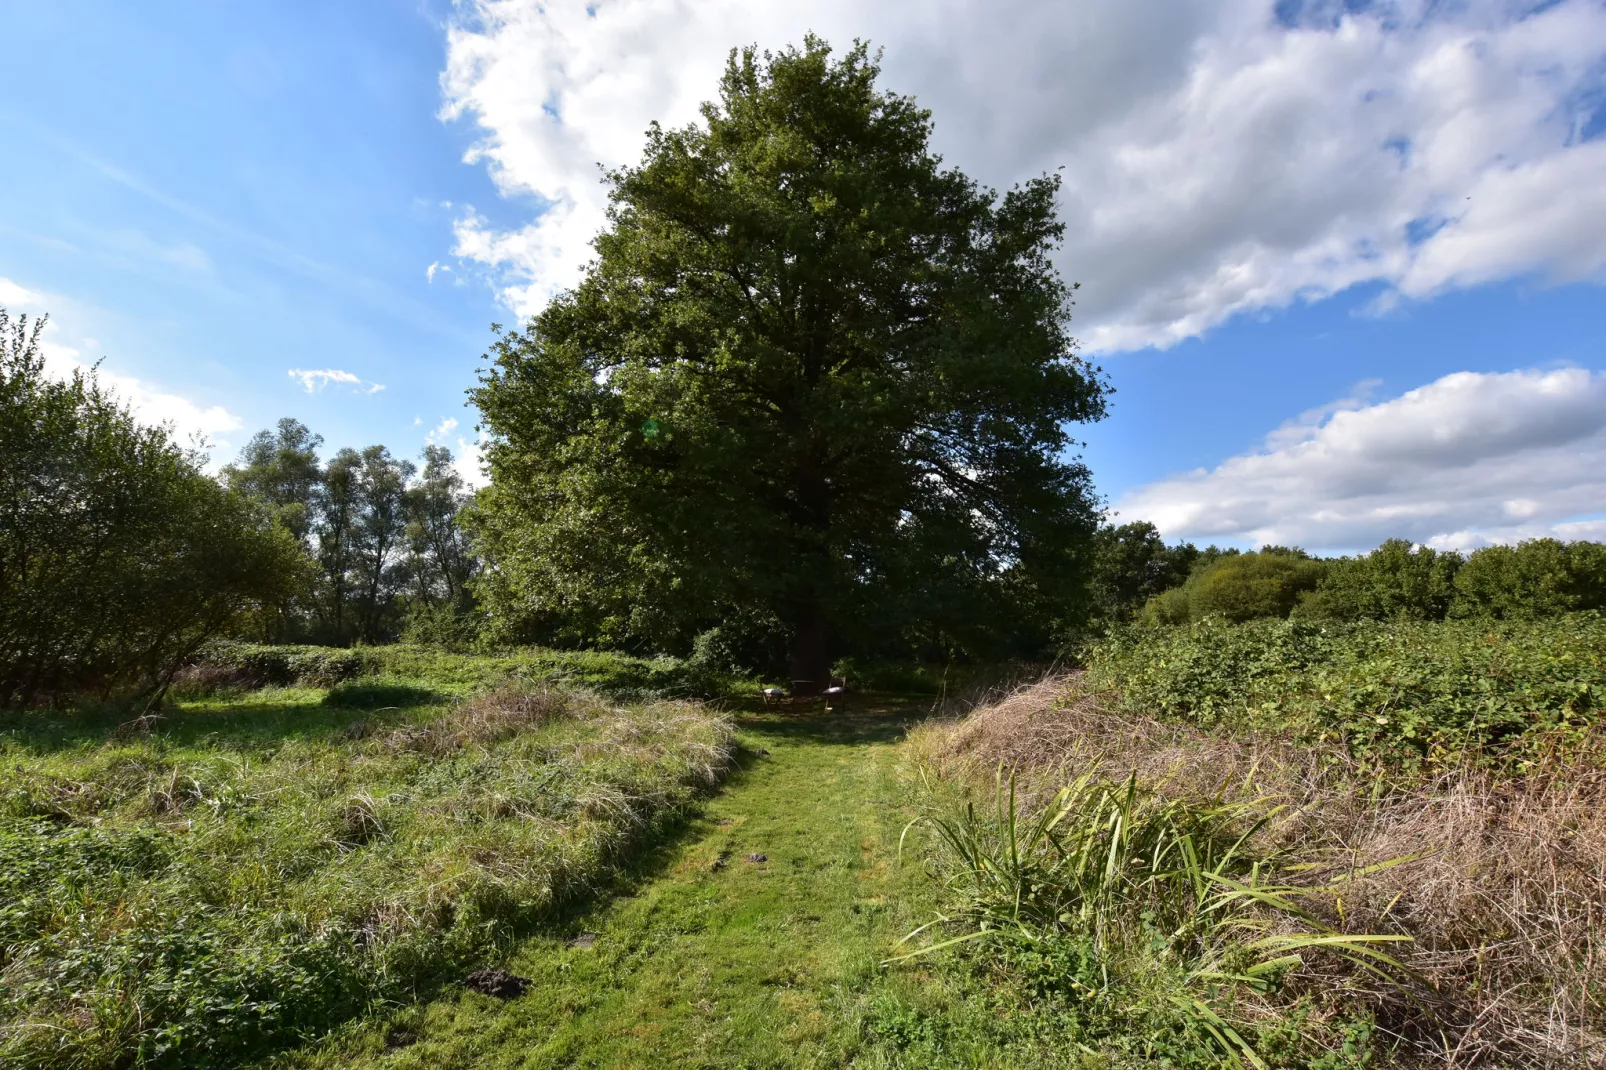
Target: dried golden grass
[1505, 897]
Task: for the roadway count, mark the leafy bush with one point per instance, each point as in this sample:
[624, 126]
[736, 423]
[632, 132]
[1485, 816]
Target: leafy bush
[1267, 583]
[1534, 579]
[1402, 691]
[119, 557]
[1397, 581]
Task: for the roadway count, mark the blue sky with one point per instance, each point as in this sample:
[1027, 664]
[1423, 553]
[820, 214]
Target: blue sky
[1292, 222]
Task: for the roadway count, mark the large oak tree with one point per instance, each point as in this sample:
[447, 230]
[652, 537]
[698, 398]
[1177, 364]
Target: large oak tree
[812, 376]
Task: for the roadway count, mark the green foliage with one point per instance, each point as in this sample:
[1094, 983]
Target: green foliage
[1531, 580]
[1132, 564]
[280, 468]
[118, 555]
[390, 555]
[1396, 581]
[1150, 914]
[811, 376]
[258, 871]
[1404, 692]
[1240, 586]
[447, 625]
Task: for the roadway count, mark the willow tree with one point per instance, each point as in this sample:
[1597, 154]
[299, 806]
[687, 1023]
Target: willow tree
[812, 376]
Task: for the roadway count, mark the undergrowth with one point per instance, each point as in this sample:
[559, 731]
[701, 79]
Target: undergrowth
[254, 871]
[1076, 896]
[1411, 695]
[1157, 926]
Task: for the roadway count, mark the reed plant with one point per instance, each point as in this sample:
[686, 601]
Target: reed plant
[1164, 899]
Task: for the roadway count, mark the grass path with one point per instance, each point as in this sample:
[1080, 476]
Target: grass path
[712, 957]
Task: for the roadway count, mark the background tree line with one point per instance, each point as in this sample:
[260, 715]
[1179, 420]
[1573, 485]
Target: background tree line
[120, 556]
[380, 533]
[1137, 576]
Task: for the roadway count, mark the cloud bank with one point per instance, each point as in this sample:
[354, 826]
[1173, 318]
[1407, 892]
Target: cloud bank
[1219, 158]
[1465, 461]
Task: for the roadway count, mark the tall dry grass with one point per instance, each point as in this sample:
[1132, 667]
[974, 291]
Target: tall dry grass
[1505, 893]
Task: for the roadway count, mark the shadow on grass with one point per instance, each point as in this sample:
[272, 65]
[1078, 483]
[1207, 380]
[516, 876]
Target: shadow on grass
[867, 719]
[381, 694]
[244, 724]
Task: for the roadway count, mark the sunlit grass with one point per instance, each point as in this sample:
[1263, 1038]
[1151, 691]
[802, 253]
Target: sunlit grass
[254, 870]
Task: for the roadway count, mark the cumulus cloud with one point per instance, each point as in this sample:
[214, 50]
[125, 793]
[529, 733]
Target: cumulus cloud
[441, 431]
[150, 403]
[1467, 460]
[1219, 158]
[314, 380]
[469, 462]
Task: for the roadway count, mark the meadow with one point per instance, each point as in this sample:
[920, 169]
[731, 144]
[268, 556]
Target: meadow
[254, 867]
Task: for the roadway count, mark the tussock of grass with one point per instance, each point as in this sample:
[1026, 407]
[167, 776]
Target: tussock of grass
[1502, 888]
[192, 896]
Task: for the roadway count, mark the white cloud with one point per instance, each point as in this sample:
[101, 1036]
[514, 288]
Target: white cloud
[441, 430]
[150, 403]
[469, 461]
[1467, 460]
[1218, 160]
[315, 380]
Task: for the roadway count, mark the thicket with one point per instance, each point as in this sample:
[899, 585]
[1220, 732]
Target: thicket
[257, 871]
[1136, 575]
[119, 556]
[1404, 692]
[223, 666]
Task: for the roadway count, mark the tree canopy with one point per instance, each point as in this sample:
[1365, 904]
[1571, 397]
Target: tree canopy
[813, 381]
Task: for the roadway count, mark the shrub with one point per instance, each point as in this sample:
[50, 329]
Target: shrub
[1402, 692]
[119, 557]
[1534, 579]
[608, 672]
[1238, 587]
[1396, 581]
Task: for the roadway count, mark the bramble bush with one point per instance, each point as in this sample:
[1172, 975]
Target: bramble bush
[1404, 692]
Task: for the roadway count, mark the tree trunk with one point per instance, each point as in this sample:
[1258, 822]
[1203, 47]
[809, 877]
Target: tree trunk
[810, 671]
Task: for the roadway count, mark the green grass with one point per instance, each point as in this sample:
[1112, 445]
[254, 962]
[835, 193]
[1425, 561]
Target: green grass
[257, 869]
[1144, 927]
[301, 877]
[710, 959]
